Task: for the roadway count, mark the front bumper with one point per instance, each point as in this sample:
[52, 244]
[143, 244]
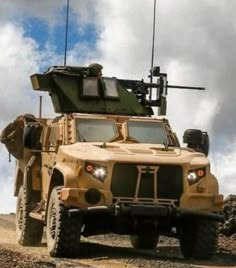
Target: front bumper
[204, 202]
[75, 197]
[151, 211]
[205, 206]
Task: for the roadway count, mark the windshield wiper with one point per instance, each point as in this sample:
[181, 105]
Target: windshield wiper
[166, 144]
[81, 138]
[132, 139]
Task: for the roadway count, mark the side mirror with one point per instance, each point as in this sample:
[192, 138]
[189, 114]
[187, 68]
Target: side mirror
[197, 140]
[31, 137]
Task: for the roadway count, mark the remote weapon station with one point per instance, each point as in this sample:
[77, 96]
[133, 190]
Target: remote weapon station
[104, 164]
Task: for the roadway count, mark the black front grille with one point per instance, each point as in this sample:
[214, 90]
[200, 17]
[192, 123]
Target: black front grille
[146, 188]
[170, 182]
[125, 178]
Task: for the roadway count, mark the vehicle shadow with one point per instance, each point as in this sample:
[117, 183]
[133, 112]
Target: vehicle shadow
[94, 250]
[164, 253]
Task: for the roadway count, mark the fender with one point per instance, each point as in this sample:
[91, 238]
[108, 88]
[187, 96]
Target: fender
[69, 175]
[62, 175]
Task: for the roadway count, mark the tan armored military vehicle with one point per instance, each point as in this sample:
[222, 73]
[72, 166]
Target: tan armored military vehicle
[105, 165]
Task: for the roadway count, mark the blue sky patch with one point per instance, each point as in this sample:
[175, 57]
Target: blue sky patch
[38, 30]
[55, 36]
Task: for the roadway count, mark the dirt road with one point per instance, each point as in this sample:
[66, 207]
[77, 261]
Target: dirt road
[106, 252]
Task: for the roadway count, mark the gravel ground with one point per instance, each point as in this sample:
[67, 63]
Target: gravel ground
[11, 259]
[108, 251]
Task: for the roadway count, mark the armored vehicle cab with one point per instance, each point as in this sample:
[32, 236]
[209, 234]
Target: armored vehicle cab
[105, 165]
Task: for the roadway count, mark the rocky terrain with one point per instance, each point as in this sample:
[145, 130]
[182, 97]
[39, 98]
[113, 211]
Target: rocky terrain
[229, 211]
[107, 251]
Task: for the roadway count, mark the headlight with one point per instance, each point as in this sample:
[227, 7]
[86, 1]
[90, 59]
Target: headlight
[195, 175]
[97, 171]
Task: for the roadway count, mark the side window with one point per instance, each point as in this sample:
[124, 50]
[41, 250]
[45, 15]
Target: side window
[54, 135]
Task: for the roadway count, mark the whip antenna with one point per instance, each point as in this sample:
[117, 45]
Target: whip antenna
[40, 106]
[153, 44]
[66, 36]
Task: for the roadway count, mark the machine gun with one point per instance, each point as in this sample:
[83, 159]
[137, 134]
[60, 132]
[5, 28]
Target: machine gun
[75, 90]
[144, 91]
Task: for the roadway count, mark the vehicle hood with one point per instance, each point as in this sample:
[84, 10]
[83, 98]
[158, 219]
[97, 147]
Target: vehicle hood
[126, 152]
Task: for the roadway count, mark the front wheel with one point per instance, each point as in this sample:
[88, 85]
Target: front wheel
[63, 231]
[199, 239]
[29, 231]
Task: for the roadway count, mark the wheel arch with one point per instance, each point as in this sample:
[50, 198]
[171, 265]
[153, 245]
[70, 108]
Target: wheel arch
[57, 179]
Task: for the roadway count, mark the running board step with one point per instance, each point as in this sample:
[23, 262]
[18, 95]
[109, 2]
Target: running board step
[37, 216]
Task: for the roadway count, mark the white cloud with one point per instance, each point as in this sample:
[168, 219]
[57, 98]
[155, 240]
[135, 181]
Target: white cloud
[18, 10]
[223, 165]
[19, 58]
[8, 201]
[124, 40]
[206, 111]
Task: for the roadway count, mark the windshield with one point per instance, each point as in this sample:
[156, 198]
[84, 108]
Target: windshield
[147, 132]
[95, 130]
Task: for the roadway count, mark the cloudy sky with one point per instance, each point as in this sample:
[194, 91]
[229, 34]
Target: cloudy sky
[195, 45]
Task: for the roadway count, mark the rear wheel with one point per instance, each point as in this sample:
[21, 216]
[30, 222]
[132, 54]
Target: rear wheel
[199, 239]
[144, 241]
[63, 231]
[29, 231]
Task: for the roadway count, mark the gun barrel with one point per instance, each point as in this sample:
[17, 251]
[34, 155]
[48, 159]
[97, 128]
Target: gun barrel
[186, 87]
